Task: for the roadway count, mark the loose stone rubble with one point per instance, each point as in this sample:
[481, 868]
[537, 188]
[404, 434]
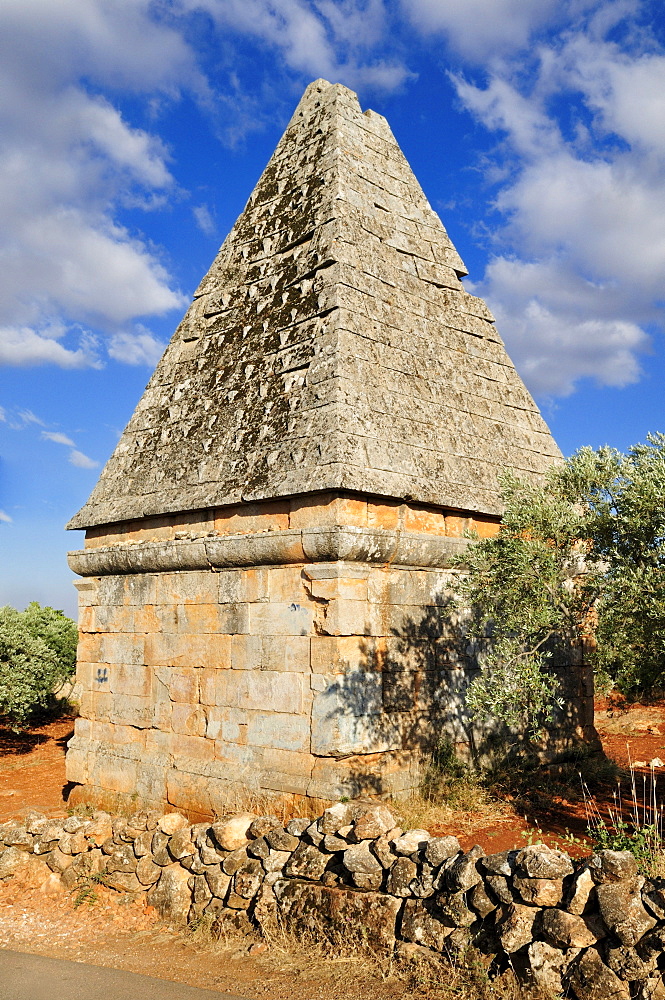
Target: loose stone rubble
[590, 929]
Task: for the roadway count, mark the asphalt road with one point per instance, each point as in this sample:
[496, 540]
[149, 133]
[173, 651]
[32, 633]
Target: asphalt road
[33, 977]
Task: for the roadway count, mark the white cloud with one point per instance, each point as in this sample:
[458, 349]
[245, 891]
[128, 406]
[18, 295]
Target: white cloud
[69, 160]
[483, 29]
[82, 461]
[57, 438]
[580, 256]
[5, 517]
[204, 219]
[328, 39]
[138, 348]
[24, 348]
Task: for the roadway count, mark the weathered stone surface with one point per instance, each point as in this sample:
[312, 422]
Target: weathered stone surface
[275, 861]
[235, 860]
[481, 901]
[218, 881]
[171, 895]
[258, 848]
[181, 844]
[15, 835]
[367, 917]
[626, 963]
[411, 841]
[540, 861]
[247, 879]
[281, 840]
[516, 928]
[306, 862]
[256, 275]
[171, 822]
[147, 872]
[381, 848]
[547, 966]
[55, 859]
[233, 833]
[440, 849]
[262, 825]
[423, 924]
[13, 859]
[500, 888]
[463, 874]
[538, 891]
[143, 843]
[335, 817]
[580, 893]
[622, 910]
[591, 979]
[454, 909]
[565, 930]
[402, 873]
[371, 821]
[612, 866]
[359, 858]
[123, 859]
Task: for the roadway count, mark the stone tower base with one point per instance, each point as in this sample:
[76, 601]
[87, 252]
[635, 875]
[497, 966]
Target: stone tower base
[300, 647]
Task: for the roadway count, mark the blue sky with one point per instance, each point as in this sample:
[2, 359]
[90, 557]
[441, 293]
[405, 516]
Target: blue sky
[134, 131]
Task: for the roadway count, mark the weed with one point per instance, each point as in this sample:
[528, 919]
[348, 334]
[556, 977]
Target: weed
[634, 825]
[86, 886]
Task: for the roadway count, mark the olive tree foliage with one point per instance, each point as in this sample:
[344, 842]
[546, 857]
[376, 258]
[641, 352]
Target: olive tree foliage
[37, 654]
[578, 565]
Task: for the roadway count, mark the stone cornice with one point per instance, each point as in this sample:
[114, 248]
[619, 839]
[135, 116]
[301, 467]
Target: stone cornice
[271, 548]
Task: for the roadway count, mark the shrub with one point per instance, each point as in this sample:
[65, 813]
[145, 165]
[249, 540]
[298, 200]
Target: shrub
[37, 654]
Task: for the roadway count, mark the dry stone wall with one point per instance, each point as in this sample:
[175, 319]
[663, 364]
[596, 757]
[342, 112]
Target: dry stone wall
[593, 929]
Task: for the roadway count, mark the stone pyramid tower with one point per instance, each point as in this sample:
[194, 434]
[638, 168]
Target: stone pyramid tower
[330, 346]
[267, 570]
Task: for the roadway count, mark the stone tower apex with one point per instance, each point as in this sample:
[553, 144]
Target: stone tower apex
[331, 346]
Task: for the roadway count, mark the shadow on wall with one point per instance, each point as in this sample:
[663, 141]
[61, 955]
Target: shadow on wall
[406, 694]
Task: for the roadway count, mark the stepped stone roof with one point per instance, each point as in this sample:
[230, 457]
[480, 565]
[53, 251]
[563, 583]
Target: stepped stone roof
[331, 346]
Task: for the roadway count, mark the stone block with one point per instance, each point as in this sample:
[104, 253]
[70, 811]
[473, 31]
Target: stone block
[189, 720]
[290, 653]
[345, 617]
[195, 587]
[122, 648]
[286, 585]
[130, 679]
[281, 619]
[279, 730]
[339, 654]
[129, 710]
[182, 684]
[113, 773]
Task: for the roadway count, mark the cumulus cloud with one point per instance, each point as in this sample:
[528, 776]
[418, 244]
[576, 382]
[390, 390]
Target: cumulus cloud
[579, 261]
[138, 348]
[329, 39]
[69, 161]
[483, 29]
[82, 461]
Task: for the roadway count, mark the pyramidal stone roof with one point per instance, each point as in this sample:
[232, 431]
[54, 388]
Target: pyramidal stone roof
[331, 346]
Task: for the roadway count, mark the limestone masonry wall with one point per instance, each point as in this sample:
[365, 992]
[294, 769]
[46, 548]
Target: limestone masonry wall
[320, 677]
[589, 929]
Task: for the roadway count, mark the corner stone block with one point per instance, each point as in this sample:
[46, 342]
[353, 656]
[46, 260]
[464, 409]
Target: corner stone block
[286, 585]
[344, 617]
[348, 717]
[114, 773]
